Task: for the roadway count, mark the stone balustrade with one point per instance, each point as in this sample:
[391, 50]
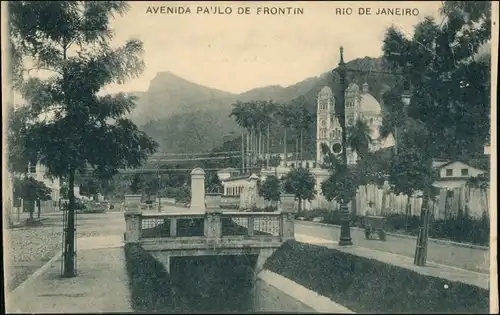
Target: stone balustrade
[205, 228]
[214, 224]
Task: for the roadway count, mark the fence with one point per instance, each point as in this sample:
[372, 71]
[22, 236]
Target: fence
[446, 204]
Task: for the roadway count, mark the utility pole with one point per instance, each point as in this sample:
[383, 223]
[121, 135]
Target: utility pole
[345, 230]
[242, 153]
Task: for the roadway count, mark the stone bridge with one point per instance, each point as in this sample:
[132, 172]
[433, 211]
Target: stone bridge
[202, 231]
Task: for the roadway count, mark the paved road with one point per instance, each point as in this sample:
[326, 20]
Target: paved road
[451, 255]
[29, 248]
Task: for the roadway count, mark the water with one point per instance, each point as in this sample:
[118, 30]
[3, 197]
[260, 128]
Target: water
[216, 284]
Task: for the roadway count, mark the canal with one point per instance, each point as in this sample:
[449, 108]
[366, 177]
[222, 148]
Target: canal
[223, 284]
[228, 284]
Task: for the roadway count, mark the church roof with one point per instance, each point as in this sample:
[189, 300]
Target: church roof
[326, 91]
[369, 105]
[353, 87]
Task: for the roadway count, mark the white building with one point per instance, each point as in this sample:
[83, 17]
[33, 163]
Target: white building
[39, 172]
[228, 173]
[455, 174]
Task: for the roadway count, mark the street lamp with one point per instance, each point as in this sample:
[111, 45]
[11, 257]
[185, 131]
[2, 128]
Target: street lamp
[158, 193]
[405, 98]
[345, 230]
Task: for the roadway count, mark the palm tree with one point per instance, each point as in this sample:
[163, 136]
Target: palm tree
[269, 111]
[286, 121]
[305, 122]
[359, 138]
[394, 119]
[241, 113]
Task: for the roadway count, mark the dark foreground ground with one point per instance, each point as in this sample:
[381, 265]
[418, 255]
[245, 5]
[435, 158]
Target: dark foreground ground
[369, 286]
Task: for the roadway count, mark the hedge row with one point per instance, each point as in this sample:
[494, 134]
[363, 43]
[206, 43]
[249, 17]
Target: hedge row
[462, 228]
[370, 286]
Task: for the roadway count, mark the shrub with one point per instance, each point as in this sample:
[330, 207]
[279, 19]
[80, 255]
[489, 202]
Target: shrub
[370, 286]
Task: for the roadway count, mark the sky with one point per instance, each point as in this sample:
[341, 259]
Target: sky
[236, 53]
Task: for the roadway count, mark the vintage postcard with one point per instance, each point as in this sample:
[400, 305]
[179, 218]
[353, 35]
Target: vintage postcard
[249, 157]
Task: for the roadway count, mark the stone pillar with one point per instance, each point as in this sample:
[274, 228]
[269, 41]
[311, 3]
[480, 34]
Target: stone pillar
[213, 225]
[213, 200]
[133, 226]
[132, 203]
[287, 202]
[287, 218]
[197, 190]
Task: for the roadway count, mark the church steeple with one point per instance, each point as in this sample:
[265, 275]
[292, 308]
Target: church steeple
[366, 88]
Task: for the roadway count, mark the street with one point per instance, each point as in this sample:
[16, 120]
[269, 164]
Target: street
[451, 255]
[29, 248]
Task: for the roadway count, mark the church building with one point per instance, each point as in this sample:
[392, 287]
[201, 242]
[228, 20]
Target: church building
[360, 104]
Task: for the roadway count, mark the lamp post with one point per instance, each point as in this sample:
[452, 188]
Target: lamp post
[405, 98]
[345, 230]
[158, 193]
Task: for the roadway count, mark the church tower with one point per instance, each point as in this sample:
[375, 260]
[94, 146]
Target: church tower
[328, 127]
[352, 113]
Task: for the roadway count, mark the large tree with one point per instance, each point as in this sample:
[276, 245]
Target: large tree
[359, 138]
[445, 55]
[343, 181]
[301, 182]
[70, 125]
[450, 86]
[270, 190]
[32, 192]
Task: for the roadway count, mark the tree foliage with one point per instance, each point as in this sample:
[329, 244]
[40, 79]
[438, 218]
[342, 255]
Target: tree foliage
[271, 189]
[450, 84]
[301, 183]
[68, 125]
[213, 183]
[341, 185]
[359, 137]
[28, 188]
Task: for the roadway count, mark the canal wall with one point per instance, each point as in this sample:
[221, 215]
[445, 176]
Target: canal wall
[215, 284]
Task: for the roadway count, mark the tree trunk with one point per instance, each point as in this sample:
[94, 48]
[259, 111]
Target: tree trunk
[253, 149]
[297, 152]
[407, 213]
[39, 206]
[268, 146]
[423, 234]
[247, 154]
[260, 148]
[396, 140]
[284, 148]
[31, 209]
[69, 244]
[242, 153]
[301, 147]
[384, 199]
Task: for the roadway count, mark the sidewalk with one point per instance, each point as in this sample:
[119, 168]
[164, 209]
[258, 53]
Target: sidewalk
[440, 271]
[101, 284]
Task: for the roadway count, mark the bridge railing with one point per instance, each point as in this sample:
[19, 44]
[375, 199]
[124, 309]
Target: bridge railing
[211, 225]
